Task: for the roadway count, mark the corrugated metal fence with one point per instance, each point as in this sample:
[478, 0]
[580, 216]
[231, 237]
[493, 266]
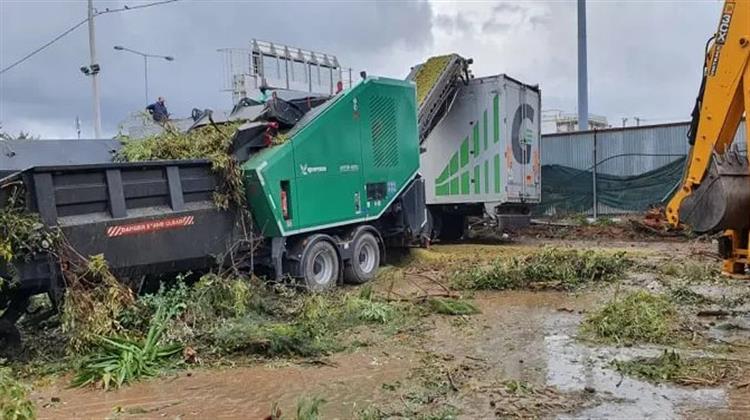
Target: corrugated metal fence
[621, 151]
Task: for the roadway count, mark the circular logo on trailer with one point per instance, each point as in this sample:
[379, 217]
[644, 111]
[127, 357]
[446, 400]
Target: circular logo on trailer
[521, 149]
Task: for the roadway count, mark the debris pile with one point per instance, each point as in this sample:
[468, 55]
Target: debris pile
[639, 317]
[654, 221]
[428, 74]
[211, 142]
[670, 366]
[550, 268]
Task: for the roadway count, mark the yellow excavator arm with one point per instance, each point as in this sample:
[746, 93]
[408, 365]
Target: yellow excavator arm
[715, 191]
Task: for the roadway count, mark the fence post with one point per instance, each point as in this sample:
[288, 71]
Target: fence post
[595, 203]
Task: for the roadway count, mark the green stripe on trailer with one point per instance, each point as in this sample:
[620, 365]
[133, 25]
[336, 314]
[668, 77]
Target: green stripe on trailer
[454, 186]
[454, 164]
[476, 180]
[496, 116]
[475, 135]
[465, 181]
[486, 129]
[443, 175]
[497, 173]
[465, 153]
[486, 176]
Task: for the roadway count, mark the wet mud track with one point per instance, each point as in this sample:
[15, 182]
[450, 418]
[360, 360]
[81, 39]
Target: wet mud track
[349, 382]
[523, 337]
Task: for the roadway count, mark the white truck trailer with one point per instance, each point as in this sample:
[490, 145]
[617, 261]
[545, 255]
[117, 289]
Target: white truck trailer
[482, 159]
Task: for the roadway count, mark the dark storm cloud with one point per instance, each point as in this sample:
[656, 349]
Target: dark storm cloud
[50, 87]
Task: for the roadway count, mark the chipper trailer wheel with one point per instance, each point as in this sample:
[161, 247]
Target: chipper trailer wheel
[320, 265]
[365, 259]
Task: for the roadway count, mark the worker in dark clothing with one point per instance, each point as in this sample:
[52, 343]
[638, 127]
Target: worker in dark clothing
[158, 110]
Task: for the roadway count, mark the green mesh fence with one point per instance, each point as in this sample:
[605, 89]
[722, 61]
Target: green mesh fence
[567, 190]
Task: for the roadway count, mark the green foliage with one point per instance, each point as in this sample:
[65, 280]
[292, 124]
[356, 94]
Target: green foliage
[370, 413]
[22, 135]
[550, 268]
[309, 408]
[210, 306]
[233, 315]
[259, 336]
[94, 301]
[209, 142]
[119, 360]
[684, 295]
[14, 398]
[700, 272]
[370, 311]
[448, 306]
[515, 386]
[671, 367]
[22, 234]
[215, 297]
[309, 330]
[580, 219]
[693, 271]
[637, 318]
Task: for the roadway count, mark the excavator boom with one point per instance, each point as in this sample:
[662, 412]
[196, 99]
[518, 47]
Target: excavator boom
[715, 192]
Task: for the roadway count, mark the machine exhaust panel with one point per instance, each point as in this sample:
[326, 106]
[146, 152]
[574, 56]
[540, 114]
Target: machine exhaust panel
[722, 200]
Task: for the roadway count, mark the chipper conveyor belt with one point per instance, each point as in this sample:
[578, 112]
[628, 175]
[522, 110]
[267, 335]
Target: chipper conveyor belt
[436, 88]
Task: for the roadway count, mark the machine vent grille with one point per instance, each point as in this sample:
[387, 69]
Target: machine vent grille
[384, 133]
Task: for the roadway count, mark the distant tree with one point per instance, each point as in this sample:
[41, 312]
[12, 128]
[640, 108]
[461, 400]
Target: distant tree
[22, 135]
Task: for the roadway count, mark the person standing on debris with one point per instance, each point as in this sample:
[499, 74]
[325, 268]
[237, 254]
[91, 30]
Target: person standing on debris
[158, 110]
[263, 94]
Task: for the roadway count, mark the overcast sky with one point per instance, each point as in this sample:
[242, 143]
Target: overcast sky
[644, 56]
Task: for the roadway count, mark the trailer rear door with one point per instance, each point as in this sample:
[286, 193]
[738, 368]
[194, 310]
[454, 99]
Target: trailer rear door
[522, 133]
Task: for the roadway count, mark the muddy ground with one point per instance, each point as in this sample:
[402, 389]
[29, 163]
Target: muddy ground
[520, 357]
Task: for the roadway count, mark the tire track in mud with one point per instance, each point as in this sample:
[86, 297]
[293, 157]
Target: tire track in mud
[241, 392]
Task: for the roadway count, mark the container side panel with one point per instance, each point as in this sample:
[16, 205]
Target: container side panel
[473, 143]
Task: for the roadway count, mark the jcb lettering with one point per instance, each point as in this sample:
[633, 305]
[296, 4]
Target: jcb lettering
[724, 23]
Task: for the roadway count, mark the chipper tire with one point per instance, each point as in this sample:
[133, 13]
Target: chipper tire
[320, 266]
[365, 261]
[722, 200]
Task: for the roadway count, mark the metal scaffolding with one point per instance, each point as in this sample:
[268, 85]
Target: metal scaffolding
[280, 67]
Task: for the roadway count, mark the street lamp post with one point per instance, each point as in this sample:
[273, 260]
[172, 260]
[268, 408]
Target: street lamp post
[145, 62]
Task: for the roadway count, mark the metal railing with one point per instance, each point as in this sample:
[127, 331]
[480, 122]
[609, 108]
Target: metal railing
[280, 67]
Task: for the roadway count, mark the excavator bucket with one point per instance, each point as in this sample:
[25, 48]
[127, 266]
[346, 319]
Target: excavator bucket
[722, 200]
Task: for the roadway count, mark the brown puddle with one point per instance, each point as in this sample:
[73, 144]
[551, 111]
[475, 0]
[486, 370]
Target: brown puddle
[351, 384]
[530, 337]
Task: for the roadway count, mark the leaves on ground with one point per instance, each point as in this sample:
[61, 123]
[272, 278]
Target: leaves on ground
[670, 366]
[638, 317]
[450, 306]
[14, 398]
[550, 268]
[118, 360]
